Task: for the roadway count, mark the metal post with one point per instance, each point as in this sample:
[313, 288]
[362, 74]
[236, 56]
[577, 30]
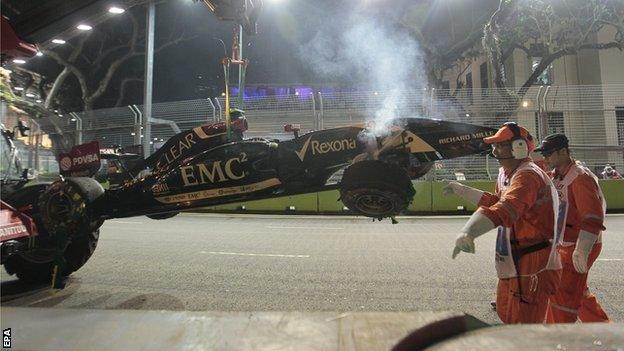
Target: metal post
[241, 87]
[226, 74]
[314, 111]
[138, 121]
[78, 127]
[214, 114]
[219, 107]
[149, 72]
[544, 127]
[431, 105]
[321, 116]
[37, 142]
[538, 127]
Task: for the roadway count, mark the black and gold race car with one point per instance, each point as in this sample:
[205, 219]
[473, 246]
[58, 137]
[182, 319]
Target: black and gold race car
[209, 165]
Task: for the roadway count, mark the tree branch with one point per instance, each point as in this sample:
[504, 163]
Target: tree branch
[60, 79]
[122, 88]
[79, 75]
[130, 44]
[174, 42]
[546, 61]
[56, 87]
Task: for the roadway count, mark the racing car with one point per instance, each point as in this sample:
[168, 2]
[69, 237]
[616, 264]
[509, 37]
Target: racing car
[211, 164]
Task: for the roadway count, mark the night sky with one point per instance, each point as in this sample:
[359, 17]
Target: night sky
[273, 52]
[277, 53]
[361, 44]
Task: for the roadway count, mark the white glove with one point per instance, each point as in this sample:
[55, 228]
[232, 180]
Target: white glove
[584, 245]
[477, 225]
[467, 193]
[464, 242]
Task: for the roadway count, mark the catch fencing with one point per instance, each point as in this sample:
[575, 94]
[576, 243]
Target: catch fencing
[591, 116]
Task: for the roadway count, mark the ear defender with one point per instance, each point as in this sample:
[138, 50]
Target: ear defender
[519, 146]
[519, 149]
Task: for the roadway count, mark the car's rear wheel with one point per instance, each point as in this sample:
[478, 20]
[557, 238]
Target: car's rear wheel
[62, 203]
[376, 189]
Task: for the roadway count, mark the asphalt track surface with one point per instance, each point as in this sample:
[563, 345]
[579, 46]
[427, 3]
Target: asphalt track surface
[208, 262]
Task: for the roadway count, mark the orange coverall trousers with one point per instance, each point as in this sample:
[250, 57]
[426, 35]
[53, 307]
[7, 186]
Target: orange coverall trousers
[573, 299]
[525, 299]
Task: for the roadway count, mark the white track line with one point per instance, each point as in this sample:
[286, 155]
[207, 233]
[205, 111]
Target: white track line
[125, 222]
[311, 228]
[610, 259]
[252, 254]
[335, 216]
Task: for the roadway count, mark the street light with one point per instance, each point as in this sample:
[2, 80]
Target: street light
[84, 27]
[116, 10]
[19, 61]
[58, 41]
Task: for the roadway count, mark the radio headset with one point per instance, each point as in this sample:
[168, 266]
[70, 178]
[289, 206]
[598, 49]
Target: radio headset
[519, 146]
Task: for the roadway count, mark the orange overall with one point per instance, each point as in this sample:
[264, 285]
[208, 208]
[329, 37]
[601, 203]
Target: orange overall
[524, 209]
[585, 212]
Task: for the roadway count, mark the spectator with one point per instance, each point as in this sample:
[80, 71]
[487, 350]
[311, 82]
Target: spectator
[610, 173]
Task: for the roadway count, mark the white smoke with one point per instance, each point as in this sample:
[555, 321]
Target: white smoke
[366, 51]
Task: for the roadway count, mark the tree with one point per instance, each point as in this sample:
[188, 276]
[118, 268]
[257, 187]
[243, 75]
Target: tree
[99, 59]
[548, 29]
[448, 35]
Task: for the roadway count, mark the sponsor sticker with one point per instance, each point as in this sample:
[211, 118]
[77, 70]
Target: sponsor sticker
[82, 160]
[214, 172]
[324, 147]
[66, 163]
[465, 137]
[211, 193]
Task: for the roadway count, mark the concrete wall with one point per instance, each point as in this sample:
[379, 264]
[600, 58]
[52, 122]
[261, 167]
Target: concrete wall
[608, 59]
[611, 61]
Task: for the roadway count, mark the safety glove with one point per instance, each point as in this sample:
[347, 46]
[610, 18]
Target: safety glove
[477, 225]
[467, 193]
[584, 245]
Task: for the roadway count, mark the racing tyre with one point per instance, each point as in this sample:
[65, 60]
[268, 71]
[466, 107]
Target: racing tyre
[376, 189]
[37, 264]
[162, 215]
[69, 204]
